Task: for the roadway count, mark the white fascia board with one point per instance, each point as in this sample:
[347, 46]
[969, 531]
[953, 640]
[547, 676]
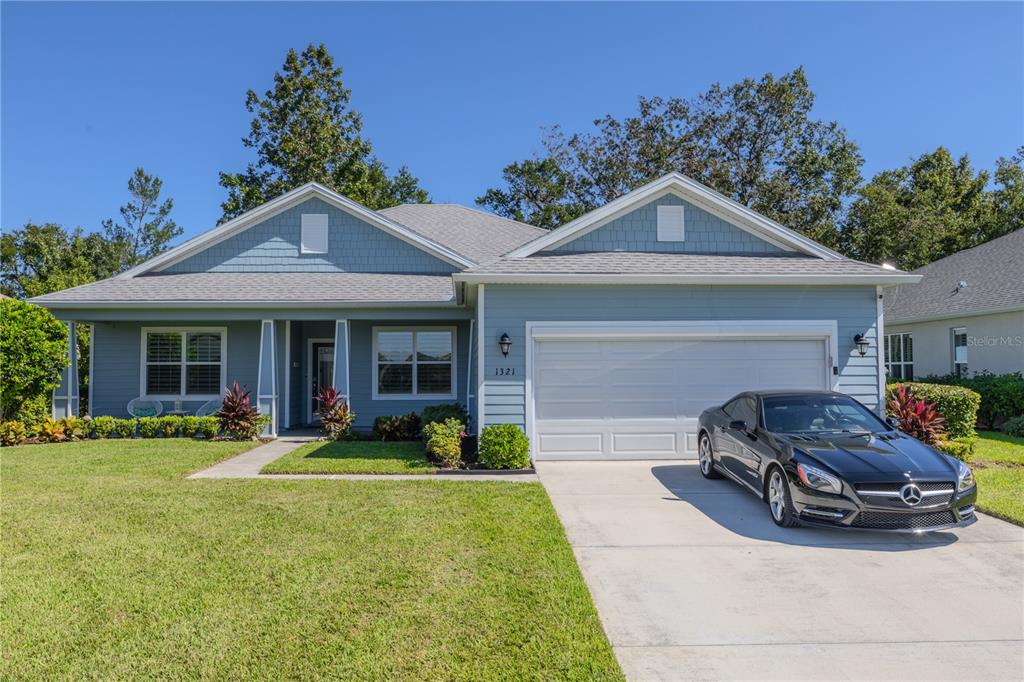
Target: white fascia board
[283, 203]
[175, 305]
[533, 278]
[693, 191]
[893, 321]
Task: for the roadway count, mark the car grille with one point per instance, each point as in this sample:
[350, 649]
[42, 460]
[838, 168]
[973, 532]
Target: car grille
[894, 521]
[892, 493]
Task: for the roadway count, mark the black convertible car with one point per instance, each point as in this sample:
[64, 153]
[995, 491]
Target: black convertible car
[823, 459]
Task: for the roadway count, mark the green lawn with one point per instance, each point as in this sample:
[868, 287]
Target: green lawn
[115, 566]
[353, 457]
[999, 469]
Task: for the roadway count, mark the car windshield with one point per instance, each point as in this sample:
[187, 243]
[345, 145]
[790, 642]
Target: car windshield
[818, 414]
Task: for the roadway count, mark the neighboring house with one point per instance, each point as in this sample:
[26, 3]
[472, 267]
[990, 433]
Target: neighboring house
[965, 316]
[605, 338]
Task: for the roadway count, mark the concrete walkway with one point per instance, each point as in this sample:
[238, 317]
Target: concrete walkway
[250, 463]
[693, 581]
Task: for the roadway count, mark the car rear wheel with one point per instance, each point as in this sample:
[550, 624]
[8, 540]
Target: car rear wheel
[779, 502]
[707, 462]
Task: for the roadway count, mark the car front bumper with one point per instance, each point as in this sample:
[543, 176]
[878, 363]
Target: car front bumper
[852, 512]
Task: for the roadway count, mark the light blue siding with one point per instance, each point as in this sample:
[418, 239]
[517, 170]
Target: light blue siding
[116, 357]
[507, 308]
[638, 231]
[273, 246]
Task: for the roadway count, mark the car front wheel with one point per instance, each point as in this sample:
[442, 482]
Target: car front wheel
[707, 462]
[779, 501]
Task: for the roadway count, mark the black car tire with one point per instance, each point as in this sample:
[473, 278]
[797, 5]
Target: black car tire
[706, 458]
[780, 503]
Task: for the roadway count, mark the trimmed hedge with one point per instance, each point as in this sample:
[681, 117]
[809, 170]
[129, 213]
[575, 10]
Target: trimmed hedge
[444, 441]
[397, 427]
[957, 405]
[961, 448]
[504, 446]
[1002, 395]
[443, 412]
[1014, 427]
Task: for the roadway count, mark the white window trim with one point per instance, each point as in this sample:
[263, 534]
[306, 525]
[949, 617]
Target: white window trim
[667, 215]
[452, 395]
[904, 363]
[223, 331]
[317, 221]
[953, 333]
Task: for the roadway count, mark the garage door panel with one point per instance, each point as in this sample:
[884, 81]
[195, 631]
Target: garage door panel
[640, 398]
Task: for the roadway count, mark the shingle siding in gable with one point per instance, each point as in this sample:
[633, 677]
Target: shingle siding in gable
[273, 246]
[638, 231]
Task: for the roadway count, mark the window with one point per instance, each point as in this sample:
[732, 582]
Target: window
[671, 224]
[417, 362]
[899, 355]
[960, 351]
[743, 409]
[183, 363]
[314, 233]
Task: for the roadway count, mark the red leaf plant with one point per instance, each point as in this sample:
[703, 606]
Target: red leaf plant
[917, 418]
[335, 417]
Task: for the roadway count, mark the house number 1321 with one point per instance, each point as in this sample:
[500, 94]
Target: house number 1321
[504, 371]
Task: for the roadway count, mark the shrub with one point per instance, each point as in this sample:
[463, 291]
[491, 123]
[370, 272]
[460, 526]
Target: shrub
[961, 448]
[1002, 395]
[51, 431]
[12, 432]
[124, 428]
[335, 417]
[75, 428]
[103, 426]
[238, 418]
[504, 446]
[149, 427]
[1014, 427]
[209, 427]
[33, 351]
[170, 425]
[957, 406]
[444, 441]
[439, 413]
[189, 425]
[399, 427]
[34, 411]
[919, 418]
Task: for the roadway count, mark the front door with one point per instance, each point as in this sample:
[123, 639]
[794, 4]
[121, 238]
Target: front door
[322, 374]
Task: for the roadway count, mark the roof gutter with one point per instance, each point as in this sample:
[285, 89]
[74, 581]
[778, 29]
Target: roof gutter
[275, 305]
[598, 278]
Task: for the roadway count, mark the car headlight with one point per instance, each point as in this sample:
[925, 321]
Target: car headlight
[964, 478]
[817, 479]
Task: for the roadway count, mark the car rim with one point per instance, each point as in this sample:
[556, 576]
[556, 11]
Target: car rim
[705, 455]
[776, 496]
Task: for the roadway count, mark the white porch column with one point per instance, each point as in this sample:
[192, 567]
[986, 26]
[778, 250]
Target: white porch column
[341, 360]
[266, 390]
[65, 396]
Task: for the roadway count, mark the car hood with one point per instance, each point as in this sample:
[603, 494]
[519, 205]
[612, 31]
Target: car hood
[891, 454]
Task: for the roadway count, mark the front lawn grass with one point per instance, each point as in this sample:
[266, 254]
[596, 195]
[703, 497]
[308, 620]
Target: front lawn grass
[354, 457]
[998, 467]
[116, 567]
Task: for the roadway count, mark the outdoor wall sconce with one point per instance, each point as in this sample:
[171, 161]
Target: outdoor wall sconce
[862, 344]
[504, 343]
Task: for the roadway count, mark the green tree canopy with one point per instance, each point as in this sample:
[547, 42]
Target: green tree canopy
[754, 141]
[145, 229]
[305, 131]
[932, 208]
[33, 352]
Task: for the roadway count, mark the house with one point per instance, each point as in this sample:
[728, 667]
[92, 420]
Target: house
[605, 338]
[965, 316]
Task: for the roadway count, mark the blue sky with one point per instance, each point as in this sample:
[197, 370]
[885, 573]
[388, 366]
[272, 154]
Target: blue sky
[457, 91]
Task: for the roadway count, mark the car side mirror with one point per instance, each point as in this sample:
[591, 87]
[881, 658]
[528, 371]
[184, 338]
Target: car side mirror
[738, 425]
[893, 422]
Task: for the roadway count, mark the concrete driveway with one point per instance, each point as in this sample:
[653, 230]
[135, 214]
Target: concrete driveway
[692, 580]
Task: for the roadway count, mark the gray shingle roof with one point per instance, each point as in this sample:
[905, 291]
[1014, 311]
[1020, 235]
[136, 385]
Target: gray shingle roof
[259, 287]
[479, 235]
[994, 273]
[643, 263]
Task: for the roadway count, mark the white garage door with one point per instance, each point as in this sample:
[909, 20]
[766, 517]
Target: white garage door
[640, 399]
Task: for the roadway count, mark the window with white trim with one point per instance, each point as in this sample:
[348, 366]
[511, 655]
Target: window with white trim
[314, 233]
[416, 362]
[899, 355]
[183, 363]
[960, 351]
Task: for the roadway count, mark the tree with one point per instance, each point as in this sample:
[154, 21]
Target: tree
[39, 259]
[754, 141]
[305, 131]
[33, 352]
[932, 208]
[145, 229]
